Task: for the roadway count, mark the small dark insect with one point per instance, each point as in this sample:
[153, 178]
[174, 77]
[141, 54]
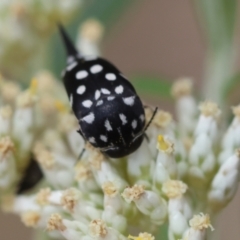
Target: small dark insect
[110, 113]
[32, 176]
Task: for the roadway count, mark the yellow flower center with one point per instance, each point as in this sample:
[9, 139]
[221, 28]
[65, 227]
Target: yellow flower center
[164, 144]
[60, 106]
[142, 236]
[33, 86]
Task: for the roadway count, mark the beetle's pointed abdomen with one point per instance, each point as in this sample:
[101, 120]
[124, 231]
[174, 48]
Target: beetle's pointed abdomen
[70, 49]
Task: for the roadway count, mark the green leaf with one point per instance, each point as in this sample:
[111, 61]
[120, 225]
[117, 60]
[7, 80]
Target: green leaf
[152, 86]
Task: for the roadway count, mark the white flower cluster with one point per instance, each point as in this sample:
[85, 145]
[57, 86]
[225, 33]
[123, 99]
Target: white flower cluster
[23, 116]
[26, 24]
[186, 168]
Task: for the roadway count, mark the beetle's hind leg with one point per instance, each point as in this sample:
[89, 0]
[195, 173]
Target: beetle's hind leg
[84, 149]
[81, 154]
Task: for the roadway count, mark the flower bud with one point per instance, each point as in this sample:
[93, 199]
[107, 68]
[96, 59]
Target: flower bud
[198, 226]
[225, 183]
[148, 202]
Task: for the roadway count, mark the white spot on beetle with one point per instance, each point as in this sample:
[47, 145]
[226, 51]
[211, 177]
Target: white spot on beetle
[92, 140]
[108, 125]
[105, 91]
[96, 69]
[142, 117]
[110, 77]
[103, 138]
[129, 100]
[100, 102]
[89, 118]
[87, 103]
[81, 74]
[71, 66]
[81, 89]
[70, 59]
[63, 73]
[119, 89]
[123, 118]
[71, 100]
[134, 124]
[97, 94]
[110, 98]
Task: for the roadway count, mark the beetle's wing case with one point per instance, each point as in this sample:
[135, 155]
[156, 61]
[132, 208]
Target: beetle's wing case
[89, 81]
[97, 87]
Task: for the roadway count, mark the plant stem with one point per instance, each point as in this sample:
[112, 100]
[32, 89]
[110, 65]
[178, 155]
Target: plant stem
[219, 68]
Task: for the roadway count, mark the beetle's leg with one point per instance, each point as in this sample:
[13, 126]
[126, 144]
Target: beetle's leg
[83, 150]
[80, 132]
[81, 154]
[146, 127]
[150, 121]
[146, 106]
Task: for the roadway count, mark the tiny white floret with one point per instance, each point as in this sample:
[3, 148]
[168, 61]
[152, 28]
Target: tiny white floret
[90, 58]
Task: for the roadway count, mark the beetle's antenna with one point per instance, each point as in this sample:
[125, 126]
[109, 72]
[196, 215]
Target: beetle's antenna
[150, 121]
[146, 127]
[70, 49]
